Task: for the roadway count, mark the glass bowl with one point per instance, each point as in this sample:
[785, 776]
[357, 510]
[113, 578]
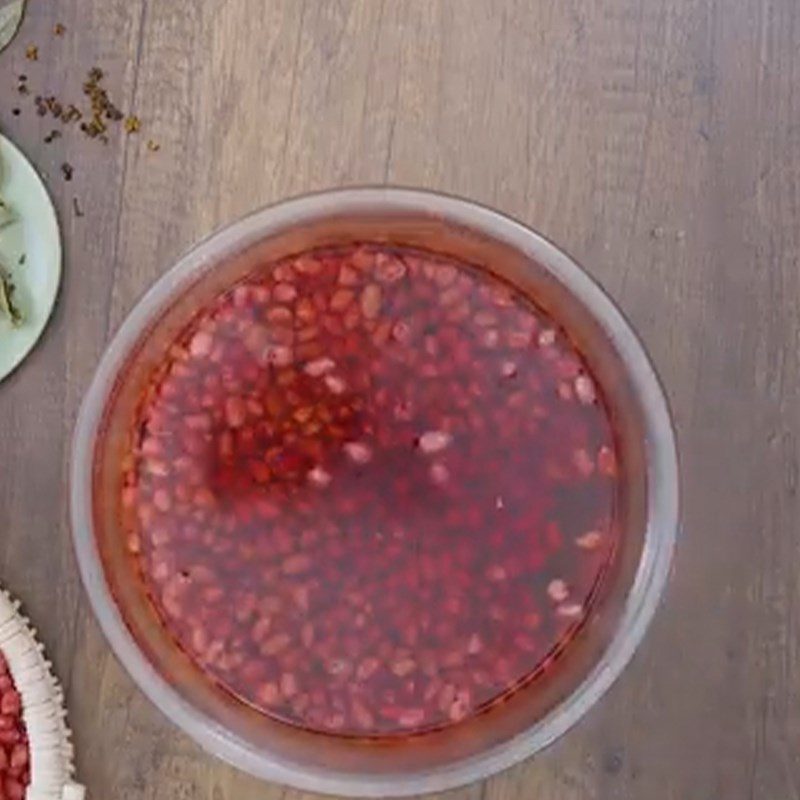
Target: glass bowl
[534, 716]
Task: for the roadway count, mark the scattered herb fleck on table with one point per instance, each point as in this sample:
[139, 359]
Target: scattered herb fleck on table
[94, 122]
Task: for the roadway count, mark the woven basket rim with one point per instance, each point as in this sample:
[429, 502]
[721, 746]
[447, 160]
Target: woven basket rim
[43, 710]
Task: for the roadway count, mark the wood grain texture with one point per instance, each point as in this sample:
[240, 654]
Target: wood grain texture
[656, 140]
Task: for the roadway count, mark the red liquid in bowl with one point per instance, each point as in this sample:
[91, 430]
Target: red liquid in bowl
[372, 491]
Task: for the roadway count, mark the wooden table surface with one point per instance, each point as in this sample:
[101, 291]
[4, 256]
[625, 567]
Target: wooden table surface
[656, 140]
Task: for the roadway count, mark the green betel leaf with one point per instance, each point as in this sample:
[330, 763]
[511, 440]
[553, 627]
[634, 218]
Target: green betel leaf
[11, 14]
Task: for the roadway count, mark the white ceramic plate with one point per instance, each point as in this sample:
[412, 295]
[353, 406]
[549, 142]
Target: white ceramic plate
[34, 234]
